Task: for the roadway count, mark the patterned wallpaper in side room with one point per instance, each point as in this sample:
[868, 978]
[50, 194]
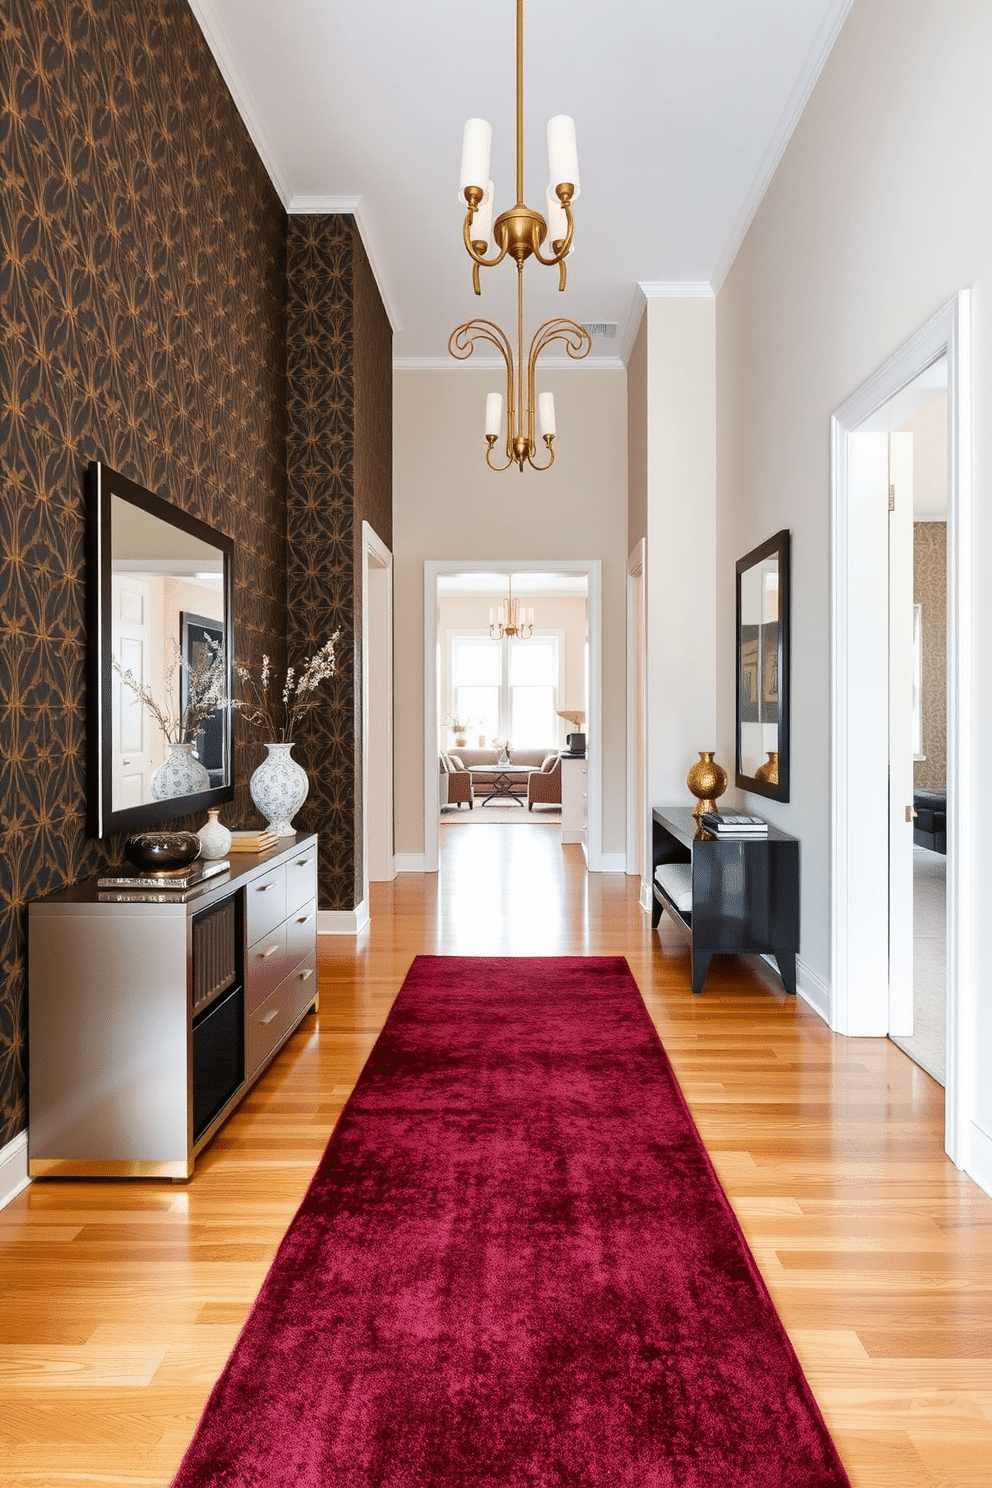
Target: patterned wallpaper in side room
[930, 593]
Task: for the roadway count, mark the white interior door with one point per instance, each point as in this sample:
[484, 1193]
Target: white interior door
[131, 731]
[901, 734]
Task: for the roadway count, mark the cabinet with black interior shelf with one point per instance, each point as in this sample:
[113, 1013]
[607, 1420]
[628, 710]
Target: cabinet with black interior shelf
[741, 894]
[149, 1021]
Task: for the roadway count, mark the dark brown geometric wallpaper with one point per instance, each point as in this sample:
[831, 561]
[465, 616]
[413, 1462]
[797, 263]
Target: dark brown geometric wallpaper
[339, 463]
[142, 322]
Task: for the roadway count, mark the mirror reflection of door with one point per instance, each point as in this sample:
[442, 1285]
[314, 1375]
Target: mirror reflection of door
[132, 734]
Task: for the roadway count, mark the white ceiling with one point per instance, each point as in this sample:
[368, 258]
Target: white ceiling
[682, 109]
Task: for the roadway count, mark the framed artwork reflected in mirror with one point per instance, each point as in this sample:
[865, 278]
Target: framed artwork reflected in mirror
[763, 607]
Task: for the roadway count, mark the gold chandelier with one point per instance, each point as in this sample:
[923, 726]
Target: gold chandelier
[519, 233]
[509, 617]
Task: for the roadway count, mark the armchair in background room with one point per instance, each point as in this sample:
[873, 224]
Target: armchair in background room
[544, 785]
[456, 783]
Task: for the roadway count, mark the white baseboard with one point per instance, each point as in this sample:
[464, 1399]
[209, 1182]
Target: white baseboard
[13, 1168]
[646, 897]
[343, 921]
[813, 990]
[979, 1164]
[411, 863]
[613, 862]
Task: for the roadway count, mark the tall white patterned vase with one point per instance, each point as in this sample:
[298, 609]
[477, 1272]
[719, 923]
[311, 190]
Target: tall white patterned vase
[179, 774]
[279, 787]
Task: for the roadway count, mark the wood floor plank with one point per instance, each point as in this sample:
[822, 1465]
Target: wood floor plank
[122, 1300]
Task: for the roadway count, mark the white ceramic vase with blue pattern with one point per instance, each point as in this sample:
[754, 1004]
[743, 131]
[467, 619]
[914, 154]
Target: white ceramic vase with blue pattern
[279, 787]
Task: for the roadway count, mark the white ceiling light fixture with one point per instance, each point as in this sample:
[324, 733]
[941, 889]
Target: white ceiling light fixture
[519, 233]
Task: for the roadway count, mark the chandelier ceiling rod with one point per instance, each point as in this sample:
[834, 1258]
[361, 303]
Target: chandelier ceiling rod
[520, 233]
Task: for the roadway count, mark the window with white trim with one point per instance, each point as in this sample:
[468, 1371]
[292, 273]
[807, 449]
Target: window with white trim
[508, 688]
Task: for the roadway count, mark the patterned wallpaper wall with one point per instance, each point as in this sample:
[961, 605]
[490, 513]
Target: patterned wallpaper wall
[142, 322]
[930, 593]
[339, 462]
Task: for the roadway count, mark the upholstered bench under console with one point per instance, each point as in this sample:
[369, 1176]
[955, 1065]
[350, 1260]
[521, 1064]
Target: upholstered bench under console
[152, 1012]
[738, 894]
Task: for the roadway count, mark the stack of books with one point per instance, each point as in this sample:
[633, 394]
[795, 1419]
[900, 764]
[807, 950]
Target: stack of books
[176, 880]
[253, 840]
[734, 824]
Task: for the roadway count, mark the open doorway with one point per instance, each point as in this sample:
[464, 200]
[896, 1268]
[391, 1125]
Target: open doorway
[556, 672]
[904, 443]
[513, 658]
[869, 994]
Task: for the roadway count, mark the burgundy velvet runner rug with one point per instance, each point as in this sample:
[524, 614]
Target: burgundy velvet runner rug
[514, 1268]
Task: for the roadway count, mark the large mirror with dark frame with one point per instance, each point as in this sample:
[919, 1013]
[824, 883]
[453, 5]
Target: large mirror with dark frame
[763, 585]
[161, 658]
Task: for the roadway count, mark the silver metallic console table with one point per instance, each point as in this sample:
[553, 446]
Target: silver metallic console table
[149, 1021]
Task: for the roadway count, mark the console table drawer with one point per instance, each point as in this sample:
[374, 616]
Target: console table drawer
[301, 879]
[268, 1024]
[265, 903]
[301, 928]
[266, 963]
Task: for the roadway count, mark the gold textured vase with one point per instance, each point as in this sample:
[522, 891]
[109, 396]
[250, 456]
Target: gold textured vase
[769, 770]
[707, 781]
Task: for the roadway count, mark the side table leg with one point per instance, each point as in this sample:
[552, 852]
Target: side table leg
[700, 966]
[787, 969]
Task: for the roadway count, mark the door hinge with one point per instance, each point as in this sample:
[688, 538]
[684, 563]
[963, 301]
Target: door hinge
[910, 813]
[892, 498]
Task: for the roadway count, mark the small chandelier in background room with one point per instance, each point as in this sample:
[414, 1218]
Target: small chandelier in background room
[510, 618]
[519, 233]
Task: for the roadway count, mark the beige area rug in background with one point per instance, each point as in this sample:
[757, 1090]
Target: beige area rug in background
[499, 815]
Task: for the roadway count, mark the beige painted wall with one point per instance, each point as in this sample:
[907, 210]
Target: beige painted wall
[446, 504]
[680, 430]
[877, 216]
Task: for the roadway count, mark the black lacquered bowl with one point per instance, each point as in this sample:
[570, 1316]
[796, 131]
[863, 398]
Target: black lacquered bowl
[158, 851]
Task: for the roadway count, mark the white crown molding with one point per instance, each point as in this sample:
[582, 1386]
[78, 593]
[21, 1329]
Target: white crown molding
[661, 289]
[822, 46]
[690, 289]
[352, 206]
[231, 73]
[496, 364]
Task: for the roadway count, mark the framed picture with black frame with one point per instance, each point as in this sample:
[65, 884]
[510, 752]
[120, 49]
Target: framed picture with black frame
[197, 633]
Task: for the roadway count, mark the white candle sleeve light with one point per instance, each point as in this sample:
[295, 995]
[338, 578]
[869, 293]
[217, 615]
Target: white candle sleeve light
[476, 144]
[494, 412]
[546, 413]
[482, 223]
[555, 212]
[563, 160]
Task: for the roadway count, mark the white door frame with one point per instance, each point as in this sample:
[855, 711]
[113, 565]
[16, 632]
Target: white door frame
[859, 721]
[638, 814]
[593, 570]
[378, 857]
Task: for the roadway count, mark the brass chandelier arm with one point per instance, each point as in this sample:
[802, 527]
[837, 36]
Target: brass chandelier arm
[461, 344]
[476, 254]
[578, 342]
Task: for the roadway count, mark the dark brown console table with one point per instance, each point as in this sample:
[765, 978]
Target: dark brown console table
[745, 892]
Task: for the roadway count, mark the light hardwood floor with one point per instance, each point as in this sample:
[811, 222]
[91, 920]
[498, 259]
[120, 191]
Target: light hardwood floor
[120, 1302]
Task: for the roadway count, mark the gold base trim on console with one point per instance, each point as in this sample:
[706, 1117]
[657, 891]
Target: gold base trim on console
[81, 1167]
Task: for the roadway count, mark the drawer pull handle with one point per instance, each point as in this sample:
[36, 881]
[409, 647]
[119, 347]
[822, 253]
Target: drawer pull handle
[262, 887]
[305, 976]
[269, 1016]
[269, 951]
[303, 862]
[304, 919]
